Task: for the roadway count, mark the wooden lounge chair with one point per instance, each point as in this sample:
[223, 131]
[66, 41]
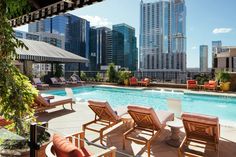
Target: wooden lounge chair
[62, 79]
[75, 146]
[148, 122]
[192, 84]
[39, 84]
[77, 79]
[41, 104]
[104, 116]
[201, 129]
[55, 82]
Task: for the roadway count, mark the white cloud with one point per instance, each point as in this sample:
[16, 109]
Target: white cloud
[221, 30]
[97, 21]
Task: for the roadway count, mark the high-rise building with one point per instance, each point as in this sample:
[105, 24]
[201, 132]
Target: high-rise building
[203, 58]
[125, 46]
[216, 48]
[75, 31]
[100, 47]
[163, 35]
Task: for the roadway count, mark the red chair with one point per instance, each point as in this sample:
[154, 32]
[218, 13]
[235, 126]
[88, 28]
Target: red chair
[133, 81]
[145, 82]
[192, 84]
[211, 85]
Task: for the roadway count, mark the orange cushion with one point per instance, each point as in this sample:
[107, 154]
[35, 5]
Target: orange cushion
[64, 148]
[212, 82]
[191, 82]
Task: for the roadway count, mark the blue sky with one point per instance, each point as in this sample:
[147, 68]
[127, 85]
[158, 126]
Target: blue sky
[207, 20]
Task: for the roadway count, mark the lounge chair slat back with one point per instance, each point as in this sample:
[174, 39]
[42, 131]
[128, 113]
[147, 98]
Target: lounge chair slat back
[144, 117]
[103, 110]
[37, 81]
[201, 127]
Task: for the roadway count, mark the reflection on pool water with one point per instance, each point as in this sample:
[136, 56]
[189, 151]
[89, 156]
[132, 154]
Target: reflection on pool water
[223, 107]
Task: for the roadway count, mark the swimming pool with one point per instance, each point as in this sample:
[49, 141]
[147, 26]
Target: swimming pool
[223, 107]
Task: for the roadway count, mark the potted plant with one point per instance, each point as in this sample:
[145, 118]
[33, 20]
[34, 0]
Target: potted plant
[123, 77]
[224, 79]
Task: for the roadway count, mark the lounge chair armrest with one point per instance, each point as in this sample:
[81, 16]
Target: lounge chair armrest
[109, 151]
[79, 138]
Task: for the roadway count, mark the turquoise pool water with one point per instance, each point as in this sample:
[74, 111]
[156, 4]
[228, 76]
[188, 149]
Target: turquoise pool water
[223, 107]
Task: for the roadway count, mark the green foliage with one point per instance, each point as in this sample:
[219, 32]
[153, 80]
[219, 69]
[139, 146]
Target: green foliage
[83, 76]
[202, 78]
[111, 73]
[223, 76]
[16, 92]
[99, 77]
[59, 70]
[123, 75]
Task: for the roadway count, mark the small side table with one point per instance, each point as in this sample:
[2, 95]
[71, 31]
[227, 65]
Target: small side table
[175, 126]
[127, 120]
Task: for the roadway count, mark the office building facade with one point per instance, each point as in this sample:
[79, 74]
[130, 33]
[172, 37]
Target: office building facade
[125, 46]
[162, 35]
[203, 58]
[100, 47]
[75, 31]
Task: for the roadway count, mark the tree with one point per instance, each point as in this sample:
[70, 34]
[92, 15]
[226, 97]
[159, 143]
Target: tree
[59, 70]
[111, 73]
[16, 91]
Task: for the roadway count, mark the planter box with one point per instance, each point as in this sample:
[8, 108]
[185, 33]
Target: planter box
[23, 153]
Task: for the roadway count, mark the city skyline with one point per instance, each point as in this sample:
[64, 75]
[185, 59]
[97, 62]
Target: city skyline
[202, 26]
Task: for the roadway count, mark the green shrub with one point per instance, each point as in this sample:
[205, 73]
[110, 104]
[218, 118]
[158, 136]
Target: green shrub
[111, 73]
[99, 77]
[202, 78]
[83, 76]
[59, 70]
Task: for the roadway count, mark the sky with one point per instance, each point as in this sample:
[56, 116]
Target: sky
[207, 20]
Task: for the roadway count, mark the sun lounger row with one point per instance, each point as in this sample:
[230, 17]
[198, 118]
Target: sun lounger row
[61, 81]
[199, 128]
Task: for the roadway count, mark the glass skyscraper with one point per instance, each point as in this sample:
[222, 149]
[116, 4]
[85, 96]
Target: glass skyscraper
[163, 35]
[75, 31]
[203, 58]
[124, 46]
[100, 47]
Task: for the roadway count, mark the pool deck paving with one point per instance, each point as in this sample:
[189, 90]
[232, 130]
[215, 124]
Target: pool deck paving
[67, 122]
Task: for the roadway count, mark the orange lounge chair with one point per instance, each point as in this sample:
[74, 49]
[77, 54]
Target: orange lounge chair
[104, 116]
[75, 146]
[148, 122]
[133, 81]
[200, 129]
[192, 84]
[211, 85]
[145, 82]
[41, 104]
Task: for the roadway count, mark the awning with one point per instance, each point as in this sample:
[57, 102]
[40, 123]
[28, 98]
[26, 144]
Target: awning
[42, 52]
[41, 9]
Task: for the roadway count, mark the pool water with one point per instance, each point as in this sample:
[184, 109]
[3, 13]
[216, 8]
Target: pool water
[223, 107]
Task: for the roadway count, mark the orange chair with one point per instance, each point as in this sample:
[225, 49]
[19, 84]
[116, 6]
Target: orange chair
[133, 81]
[145, 82]
[192, 84]
[211, 85]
